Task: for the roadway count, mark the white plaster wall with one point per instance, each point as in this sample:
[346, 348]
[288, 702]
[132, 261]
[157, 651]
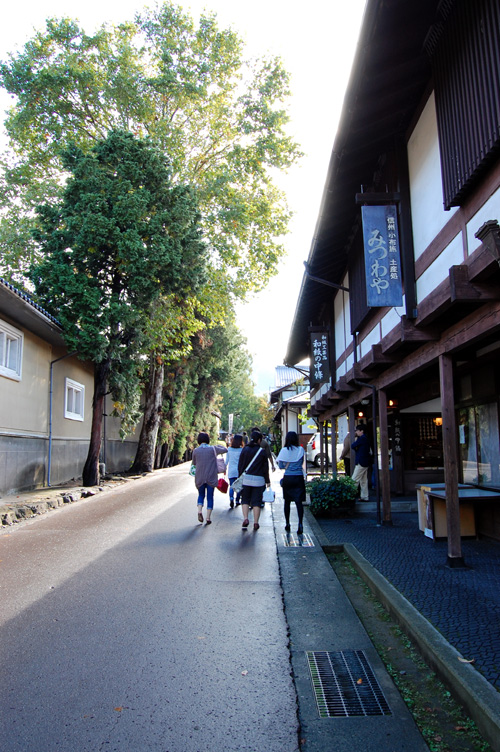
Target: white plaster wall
[489, 210]
[338, 312]
[439, 270]
[349, 363]
[428, 215]
[342, 325]
[391, 319]
[373, 338]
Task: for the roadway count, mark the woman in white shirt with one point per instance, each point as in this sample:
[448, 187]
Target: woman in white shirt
[292, 458]
[232, 459]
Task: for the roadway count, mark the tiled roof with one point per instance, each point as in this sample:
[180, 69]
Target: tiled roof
[24, 296]
[285, 375]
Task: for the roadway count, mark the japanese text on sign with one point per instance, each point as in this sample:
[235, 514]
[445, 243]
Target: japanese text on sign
[320, 361]
[382, 260]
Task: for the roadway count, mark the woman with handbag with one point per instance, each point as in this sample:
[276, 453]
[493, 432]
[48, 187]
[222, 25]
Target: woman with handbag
[232, 459]
[205, 479]
[253, 463]
[292, 458]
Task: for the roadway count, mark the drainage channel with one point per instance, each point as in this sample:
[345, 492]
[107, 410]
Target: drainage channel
[344, 685]
[290, 540]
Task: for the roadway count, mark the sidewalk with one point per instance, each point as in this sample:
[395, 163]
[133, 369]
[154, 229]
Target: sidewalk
[346, 698]
[450, 614]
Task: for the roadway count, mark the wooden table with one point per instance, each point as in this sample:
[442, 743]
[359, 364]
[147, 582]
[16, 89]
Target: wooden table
[468, 497]
[422, 501]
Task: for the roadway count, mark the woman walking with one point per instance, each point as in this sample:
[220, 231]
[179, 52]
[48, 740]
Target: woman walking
[232, 459]
[292, 458]
[255, 480]
[205, 479]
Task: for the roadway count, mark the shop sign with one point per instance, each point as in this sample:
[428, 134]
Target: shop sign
[397, 436]
[320, 358]
[382, 259]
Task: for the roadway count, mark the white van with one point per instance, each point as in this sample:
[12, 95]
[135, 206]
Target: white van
[314, 455]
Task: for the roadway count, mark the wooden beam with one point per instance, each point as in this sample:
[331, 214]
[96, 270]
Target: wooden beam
[450, 449]
[469, 330]
[417, 335]
[464, 291]
[343, 386]
[377, 198]
[407, 335]
[378, 360]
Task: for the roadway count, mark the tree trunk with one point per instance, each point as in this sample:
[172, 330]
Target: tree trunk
[145, 455]
[90, 474]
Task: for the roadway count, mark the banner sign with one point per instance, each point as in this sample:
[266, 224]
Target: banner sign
[230, 422]
[320, 358]
[382, 260]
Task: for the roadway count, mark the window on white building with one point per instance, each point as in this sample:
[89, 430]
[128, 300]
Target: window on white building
[74, 400]
[11, 351]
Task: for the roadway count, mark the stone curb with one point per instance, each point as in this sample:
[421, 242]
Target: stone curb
[466, 684]
[43, 500]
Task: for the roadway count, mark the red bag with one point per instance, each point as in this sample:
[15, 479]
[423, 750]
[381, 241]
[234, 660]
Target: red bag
[222, 485]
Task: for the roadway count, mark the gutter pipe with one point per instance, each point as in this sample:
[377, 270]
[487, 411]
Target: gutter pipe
[51, 383]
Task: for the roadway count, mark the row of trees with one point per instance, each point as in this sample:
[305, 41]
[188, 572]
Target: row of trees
[138, 198]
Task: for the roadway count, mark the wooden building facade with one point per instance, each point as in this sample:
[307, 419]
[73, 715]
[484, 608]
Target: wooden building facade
[420, 131]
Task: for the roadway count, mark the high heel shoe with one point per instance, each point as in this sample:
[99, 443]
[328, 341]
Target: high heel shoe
[287, 528]
[300, 531]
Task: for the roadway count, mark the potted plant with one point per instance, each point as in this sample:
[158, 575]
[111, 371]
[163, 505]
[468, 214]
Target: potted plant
[332, 496]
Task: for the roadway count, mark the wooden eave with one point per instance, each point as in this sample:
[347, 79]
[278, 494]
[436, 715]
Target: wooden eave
[390, 75]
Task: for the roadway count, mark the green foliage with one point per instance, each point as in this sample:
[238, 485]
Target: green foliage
[330, 493]
[219, 118]
[120, 237]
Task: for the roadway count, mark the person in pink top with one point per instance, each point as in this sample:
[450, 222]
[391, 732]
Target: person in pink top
[205, 479]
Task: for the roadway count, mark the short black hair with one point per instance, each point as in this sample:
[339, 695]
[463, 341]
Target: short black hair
[203, 438]
[361, 427]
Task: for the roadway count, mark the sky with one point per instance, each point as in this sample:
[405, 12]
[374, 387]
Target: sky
[317, 42]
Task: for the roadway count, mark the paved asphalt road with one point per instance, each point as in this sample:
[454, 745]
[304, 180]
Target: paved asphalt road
[125, 625]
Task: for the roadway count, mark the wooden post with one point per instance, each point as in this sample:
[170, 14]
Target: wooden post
[351, 425]
[321, 449]
[385, 478]
[325, 447]
[455, 558]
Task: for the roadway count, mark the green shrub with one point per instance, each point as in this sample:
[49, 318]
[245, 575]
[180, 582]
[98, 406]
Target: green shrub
[330, 493]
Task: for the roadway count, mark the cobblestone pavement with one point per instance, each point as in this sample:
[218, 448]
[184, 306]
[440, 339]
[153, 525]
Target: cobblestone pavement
[463, 604]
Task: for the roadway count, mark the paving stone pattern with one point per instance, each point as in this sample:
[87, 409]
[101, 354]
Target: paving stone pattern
[464, 605]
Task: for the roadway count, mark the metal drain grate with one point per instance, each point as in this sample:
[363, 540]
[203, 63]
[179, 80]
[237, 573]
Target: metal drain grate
[304, 541]
[345, 685]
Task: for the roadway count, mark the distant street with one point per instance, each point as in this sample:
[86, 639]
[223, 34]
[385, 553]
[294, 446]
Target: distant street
[126, 625]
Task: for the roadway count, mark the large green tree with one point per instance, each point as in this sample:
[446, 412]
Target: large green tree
[120, 236]
[219, 118]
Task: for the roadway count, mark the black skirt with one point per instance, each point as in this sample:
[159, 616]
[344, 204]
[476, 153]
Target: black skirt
[294, 488]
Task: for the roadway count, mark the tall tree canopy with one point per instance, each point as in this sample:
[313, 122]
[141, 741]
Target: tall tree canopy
[220, 119]
[120, 236]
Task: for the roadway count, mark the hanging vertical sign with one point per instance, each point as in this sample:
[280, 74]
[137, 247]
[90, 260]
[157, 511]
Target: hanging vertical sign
[320, 358]
[382, 259]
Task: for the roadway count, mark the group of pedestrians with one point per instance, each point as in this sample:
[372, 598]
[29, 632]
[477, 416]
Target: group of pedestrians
[251, 461]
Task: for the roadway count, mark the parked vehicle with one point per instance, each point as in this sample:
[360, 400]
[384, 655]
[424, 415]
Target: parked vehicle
[313, 453]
